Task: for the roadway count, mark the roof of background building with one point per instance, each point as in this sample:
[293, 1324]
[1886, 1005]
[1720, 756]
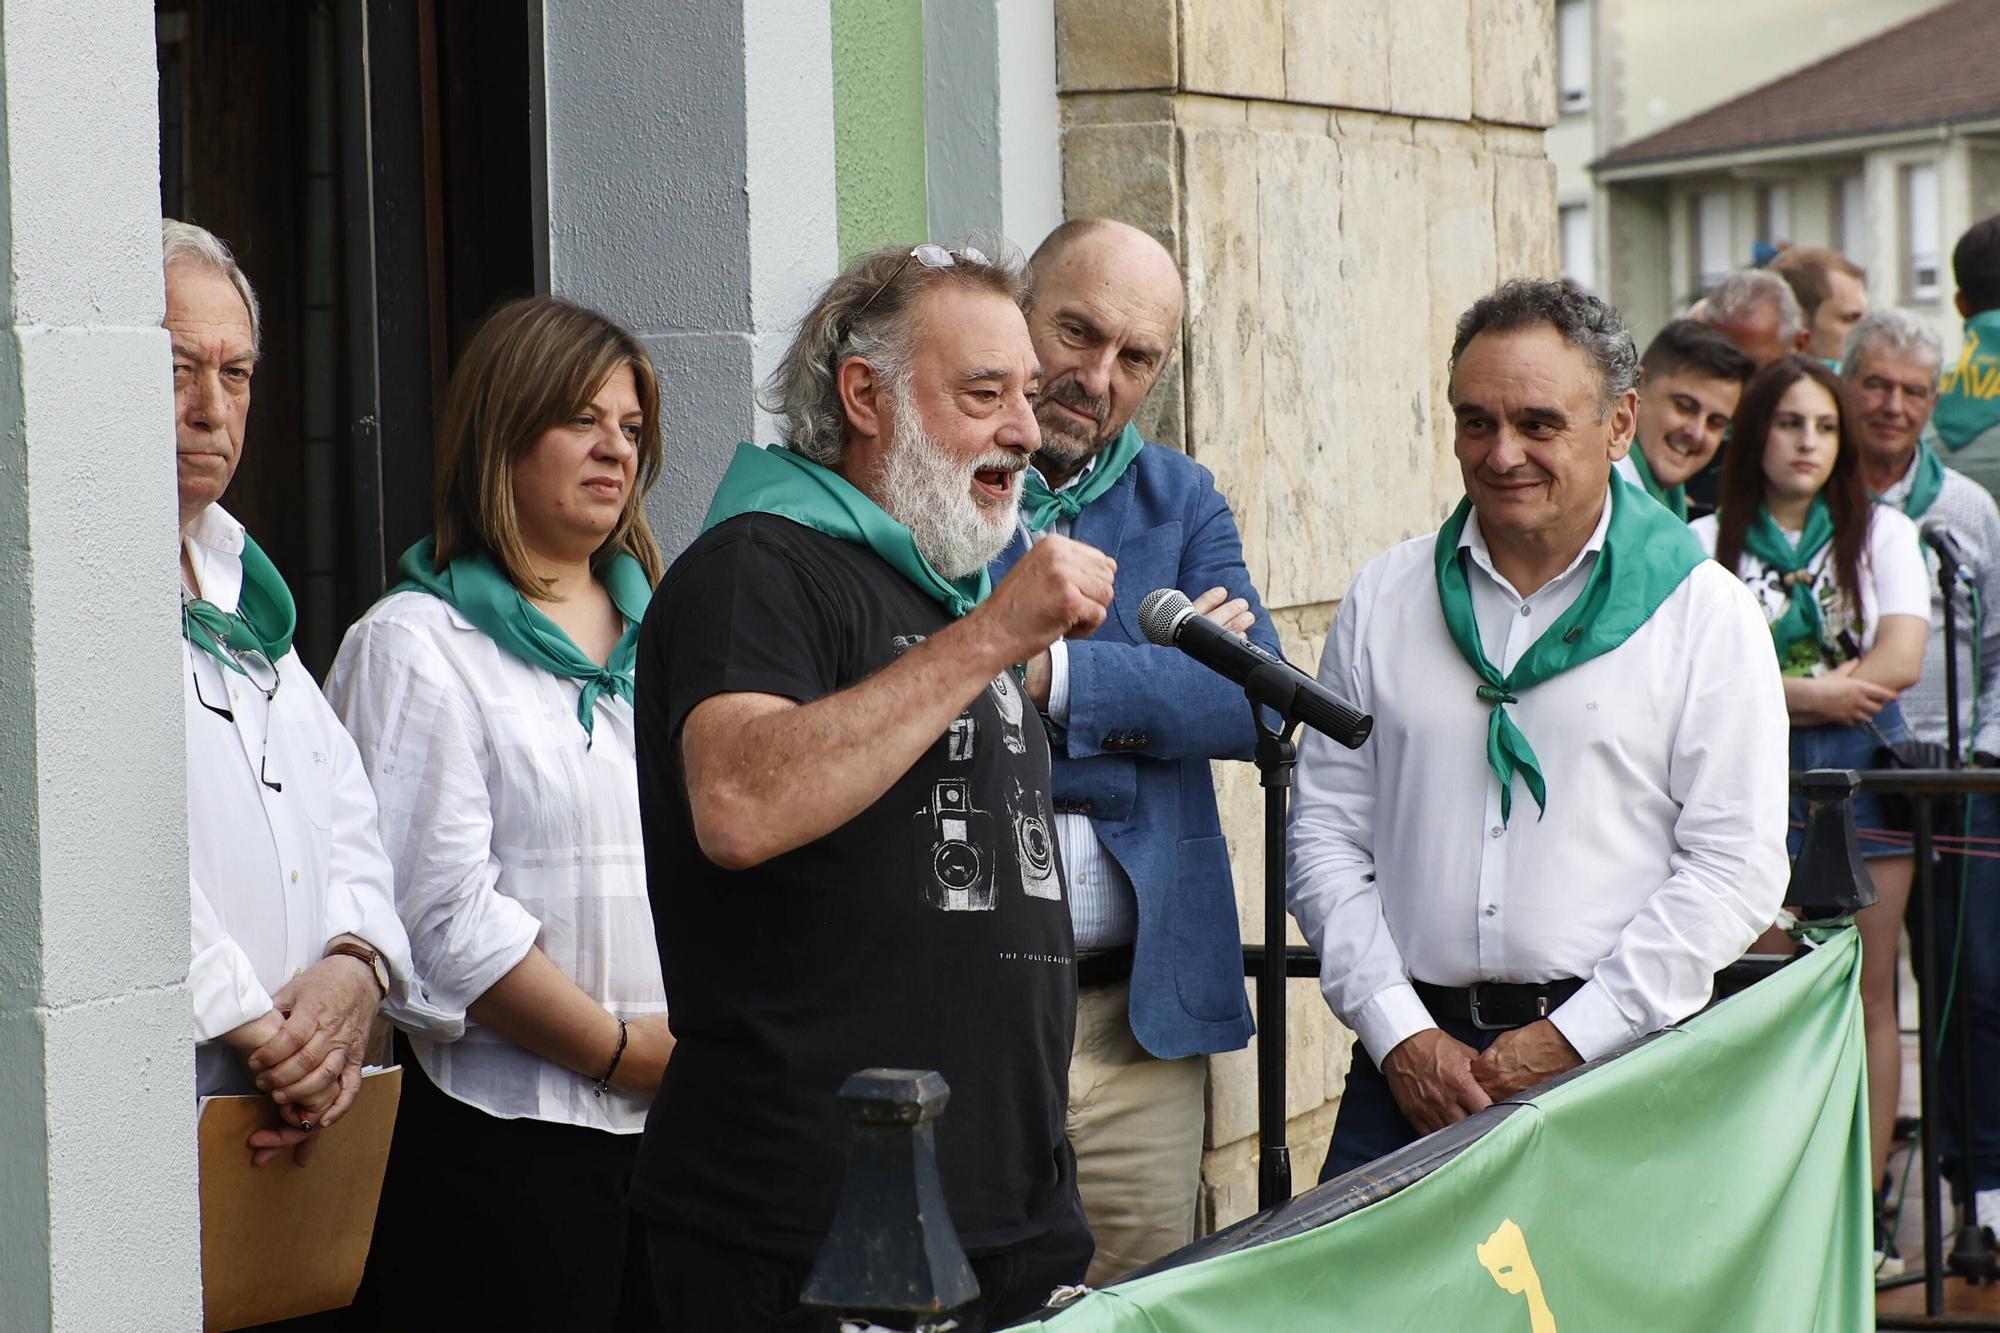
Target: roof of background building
[1935, 69]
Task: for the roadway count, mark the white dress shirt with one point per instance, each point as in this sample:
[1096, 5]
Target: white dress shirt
[1103, 906]
[508, 828]
[282, 848]
[1661, 855]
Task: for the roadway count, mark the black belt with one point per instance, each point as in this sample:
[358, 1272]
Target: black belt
[1104, 969]
[1494, 1006]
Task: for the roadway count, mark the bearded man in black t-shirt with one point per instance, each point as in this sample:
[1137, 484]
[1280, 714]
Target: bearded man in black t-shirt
[849, 840]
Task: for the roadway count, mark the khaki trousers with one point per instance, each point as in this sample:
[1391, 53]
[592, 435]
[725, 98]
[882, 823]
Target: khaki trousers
[1136, 1125]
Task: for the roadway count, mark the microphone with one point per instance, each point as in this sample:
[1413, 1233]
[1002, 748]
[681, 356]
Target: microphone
[1950, 554]
[1167, 618]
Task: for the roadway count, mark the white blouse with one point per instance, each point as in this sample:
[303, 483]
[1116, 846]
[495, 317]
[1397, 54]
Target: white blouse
[508, 827]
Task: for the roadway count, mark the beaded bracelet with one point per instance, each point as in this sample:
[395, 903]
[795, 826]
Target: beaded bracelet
[604, 1084]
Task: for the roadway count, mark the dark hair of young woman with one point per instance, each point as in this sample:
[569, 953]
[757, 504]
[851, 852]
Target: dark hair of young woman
[1847, 500]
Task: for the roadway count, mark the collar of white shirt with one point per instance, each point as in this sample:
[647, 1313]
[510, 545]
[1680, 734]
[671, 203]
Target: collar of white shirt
[1473, 538]
[214, 544]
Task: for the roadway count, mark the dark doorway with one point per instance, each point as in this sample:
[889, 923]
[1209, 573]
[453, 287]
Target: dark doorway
[370, 162]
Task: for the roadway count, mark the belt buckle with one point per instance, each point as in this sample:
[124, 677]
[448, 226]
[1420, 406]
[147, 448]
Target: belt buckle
[1499, 1023]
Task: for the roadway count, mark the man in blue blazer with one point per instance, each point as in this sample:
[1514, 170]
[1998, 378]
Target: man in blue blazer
[1159, 958]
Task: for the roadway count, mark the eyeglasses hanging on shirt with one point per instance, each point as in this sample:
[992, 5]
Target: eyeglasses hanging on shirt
[264, 676]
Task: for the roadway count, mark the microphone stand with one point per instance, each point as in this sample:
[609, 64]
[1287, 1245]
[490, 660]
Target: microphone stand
[1276, 757]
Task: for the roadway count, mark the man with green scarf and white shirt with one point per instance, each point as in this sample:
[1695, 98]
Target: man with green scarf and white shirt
[1570, 814]
[849, 835]
[1689, 381]
[1891, 367]
[296, 940]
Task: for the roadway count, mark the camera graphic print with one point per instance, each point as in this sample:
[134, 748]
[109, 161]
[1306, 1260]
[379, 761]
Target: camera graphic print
[972, 851]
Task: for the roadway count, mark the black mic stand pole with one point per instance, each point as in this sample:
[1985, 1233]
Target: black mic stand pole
[1971, 1253]
[1276, 757]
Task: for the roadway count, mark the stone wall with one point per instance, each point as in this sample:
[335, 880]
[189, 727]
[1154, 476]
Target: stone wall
[1339, 179]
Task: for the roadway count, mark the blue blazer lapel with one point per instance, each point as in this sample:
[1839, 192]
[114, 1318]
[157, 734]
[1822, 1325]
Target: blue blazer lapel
[1102, 524]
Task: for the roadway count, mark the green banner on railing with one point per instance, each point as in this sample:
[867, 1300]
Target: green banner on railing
[1715, 1178]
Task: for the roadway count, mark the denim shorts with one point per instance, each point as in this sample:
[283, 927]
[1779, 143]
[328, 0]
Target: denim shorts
[1849, 745]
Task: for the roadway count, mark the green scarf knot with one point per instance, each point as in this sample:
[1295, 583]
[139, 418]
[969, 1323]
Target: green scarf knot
[1797, 635]
[1041, 506]
[264, 620]
[475, 587]
[790, 485]
[1647, 554]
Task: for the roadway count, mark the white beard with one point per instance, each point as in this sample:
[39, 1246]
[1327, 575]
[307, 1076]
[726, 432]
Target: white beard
[929, 492]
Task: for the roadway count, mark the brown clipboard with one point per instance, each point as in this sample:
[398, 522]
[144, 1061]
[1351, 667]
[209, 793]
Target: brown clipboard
[281, 1240]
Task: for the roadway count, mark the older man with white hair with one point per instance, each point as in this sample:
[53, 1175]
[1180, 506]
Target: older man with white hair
[1891, 366]
[1756, 310]
[296, 940]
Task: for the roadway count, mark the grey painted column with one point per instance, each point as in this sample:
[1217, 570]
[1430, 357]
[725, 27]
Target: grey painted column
[993, 160]
[98, 1203]
[689, 194]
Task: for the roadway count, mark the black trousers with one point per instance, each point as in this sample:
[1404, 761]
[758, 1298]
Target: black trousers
[703, 1285]
[501, 1224]
[1369, 1124]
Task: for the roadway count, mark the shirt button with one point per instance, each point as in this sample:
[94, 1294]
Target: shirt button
[1491, 909]
[295, 877]
[1496, 830]
[1527, 610]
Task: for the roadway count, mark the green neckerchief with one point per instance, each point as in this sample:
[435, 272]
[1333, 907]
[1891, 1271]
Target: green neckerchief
[1041, 506]
[778, 481]
[475, 587]
[1968, 402]
[1647, 554]
[1675, 498]
[1927, 482]
[1797, 633]
[263, 621]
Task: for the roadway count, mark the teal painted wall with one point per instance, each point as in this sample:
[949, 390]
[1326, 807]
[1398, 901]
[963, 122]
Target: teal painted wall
[878, 123]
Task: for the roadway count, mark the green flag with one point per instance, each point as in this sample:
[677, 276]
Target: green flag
[1713, 1178]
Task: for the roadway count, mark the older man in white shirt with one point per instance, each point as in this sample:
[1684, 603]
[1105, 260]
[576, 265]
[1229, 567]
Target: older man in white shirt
[296, 941]
[1572, 811]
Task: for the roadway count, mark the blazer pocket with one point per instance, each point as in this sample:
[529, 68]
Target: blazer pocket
[1207, 943]
[1150, 560]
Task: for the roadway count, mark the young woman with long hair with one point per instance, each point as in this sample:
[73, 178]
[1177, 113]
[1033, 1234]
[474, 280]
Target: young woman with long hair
[490, 694]
[1843, 584]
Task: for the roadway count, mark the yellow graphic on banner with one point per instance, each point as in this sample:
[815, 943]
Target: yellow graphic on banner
[1505, 1255]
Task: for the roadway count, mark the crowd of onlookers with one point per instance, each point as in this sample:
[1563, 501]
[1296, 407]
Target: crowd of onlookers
[893, 719]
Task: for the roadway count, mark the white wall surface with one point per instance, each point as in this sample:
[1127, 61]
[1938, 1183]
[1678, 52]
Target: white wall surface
[98, 1202]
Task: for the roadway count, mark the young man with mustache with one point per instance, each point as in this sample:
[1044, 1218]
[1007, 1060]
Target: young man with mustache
[1159, 966]
[849, 843]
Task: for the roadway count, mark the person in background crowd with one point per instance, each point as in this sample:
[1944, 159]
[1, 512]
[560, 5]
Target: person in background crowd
[1689, 380]
[1478, 955]
[295, 936]
[1967, 420]
[1832, 295]
[1891, 371]
[1756, 310]
[491, 696]
[1842, 585]
[849, 831]
[1159, 969]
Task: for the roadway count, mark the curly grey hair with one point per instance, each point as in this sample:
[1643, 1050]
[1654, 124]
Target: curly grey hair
[1740, 295]
[869, 311]
[1584, 321]
[185, 243]
[1897, 332]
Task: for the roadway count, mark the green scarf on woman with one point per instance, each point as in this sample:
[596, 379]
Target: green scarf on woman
[479, 591]
[1041, 506]
[790, 485]
[1797, 635]
[1647, 554]
[264, 620]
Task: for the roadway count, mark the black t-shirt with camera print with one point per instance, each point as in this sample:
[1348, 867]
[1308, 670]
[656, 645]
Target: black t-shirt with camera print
[928, 932]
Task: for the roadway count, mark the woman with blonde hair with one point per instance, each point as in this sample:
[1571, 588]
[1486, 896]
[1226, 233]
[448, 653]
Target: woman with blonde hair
[490, 694]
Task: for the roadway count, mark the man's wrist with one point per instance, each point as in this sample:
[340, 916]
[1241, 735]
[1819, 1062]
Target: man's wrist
[358, 950]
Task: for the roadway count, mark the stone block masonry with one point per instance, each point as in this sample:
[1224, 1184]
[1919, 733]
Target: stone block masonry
[1338, 182]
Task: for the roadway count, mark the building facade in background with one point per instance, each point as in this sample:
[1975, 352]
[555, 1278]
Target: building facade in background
[1337, 182]
[1633, 73]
